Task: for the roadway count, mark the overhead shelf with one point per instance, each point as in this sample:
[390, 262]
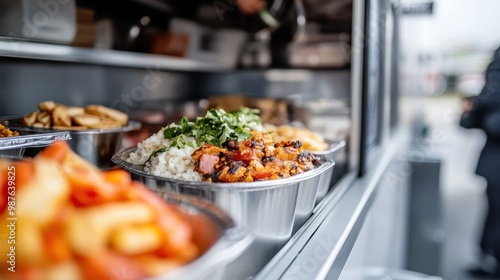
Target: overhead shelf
[20, 48]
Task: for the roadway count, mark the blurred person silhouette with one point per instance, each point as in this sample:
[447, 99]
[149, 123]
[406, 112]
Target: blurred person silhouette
[483, 112]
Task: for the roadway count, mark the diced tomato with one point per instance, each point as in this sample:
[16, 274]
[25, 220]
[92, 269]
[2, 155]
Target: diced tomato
[244, 156]
[261, 175]
[207, 163]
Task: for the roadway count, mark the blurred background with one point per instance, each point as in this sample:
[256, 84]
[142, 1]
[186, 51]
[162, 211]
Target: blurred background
[445, 57]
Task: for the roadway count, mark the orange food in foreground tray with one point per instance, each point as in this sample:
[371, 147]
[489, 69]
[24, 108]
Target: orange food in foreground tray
[77, 222]
[58, 116]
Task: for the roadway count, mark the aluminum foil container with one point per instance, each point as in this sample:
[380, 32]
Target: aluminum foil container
[331, 154]
[15, 146]
[306, 199]
[266, 208]
[314, 190]
[215, 230]
[95, 145]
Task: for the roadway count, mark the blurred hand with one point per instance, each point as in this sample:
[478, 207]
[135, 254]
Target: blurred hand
[250, 6]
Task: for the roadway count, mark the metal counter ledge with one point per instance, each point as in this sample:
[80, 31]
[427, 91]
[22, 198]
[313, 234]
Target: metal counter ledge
[320, 249]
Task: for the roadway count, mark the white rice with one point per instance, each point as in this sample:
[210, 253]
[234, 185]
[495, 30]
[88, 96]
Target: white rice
[174, 163]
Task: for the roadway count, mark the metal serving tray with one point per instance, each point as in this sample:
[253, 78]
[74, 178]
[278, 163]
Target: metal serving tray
[316, 188]
[331, 153]
[14, 146]
[94, 145]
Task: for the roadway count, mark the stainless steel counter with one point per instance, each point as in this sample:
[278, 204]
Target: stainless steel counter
[320, 249]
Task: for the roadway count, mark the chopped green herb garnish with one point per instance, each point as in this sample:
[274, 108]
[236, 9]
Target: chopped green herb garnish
[157, 152]
[215, 128]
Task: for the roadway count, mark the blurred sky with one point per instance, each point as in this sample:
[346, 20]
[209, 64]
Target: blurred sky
[455, 25]
[458, 38]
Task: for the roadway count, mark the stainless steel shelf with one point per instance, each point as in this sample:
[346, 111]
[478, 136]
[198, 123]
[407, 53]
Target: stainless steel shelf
[20, 48]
